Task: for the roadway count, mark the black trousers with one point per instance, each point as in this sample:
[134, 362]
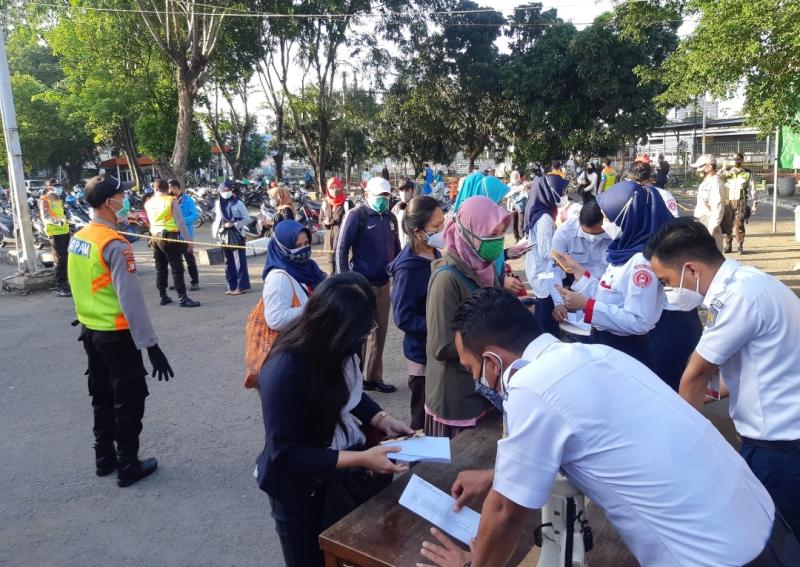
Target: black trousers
[118, 389]
[169, 255]
[59, 245]
[191, 266]
[298, 525]
[672, 342]
[417, 386]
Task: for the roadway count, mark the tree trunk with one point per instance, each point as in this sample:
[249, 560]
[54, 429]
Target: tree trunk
[472, 157]
[183, 133]
[74, 172]
[127, 145]
[278, 157]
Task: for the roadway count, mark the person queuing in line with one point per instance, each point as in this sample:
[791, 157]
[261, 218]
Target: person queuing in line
[331, 215]
[517, 199]
[406, 193]
[608, 175]
[411, 272]
[283, 203]
[678, 329]
[662, 172]
[710, 197]
[190, 216]
[751, 335]
[584, 240]
[290, 275]
[115, 327]
[474, 240]
[427, 175]
[51, 211]
[230, 218]
[644, 176]
[740, 188]
[687, 502]
[624, 303]
[370, 233]
[315, 465]
[167, 226]
[546, 195]
[589, 180]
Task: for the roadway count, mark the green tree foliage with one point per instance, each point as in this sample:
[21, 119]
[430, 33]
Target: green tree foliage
[750, 44]
[352, 129]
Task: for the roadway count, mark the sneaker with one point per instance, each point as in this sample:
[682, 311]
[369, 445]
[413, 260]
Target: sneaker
[165, 300]
[187, 301]
[382, 387]
[194, 287]
[63, 292]
[105, 465]
[131, 473]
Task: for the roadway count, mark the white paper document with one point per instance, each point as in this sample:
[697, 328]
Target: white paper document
[430, 449]
[432, 504]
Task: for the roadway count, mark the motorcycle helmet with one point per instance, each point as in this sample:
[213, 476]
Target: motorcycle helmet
[70, 200]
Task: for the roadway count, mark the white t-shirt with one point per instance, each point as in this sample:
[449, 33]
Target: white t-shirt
[626, 300]
[277, 295]
[710, 195]
[753, 334]
[670, 484]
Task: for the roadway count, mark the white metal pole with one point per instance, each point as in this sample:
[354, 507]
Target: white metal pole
[28, 261]
[703, 143]
[775, 181]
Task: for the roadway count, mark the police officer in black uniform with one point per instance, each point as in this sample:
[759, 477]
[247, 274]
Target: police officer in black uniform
[115, 326]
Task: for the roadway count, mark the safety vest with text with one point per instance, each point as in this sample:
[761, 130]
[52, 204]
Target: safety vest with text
[159, 213]
[609, 175]
[96, 301]
[56, 209]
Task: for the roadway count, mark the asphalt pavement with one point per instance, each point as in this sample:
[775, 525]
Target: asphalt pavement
[202, 507]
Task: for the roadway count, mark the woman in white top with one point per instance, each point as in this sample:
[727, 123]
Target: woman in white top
[624, 304]
[290, 275]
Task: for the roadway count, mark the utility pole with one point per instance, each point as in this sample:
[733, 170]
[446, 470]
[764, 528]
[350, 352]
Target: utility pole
[27, 261]
[703, 143]
[775, 180]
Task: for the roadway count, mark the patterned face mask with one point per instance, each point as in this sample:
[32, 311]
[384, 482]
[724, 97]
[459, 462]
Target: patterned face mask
[296, 255]
[489, 394]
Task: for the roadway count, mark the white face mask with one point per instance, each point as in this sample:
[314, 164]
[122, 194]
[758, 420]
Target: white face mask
[684, 299]
[614, 228]
[226, 194]
[405, 196]
[437, 240]
[593, 238]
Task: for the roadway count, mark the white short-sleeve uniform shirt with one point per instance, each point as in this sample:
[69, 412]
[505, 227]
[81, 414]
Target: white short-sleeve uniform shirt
[753, 334]
[674, 489]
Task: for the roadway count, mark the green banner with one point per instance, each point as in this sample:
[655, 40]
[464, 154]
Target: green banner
[790, 149]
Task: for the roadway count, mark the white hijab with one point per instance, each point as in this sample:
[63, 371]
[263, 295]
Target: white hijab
[351, 433]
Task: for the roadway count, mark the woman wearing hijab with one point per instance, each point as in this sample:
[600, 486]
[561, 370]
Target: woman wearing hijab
[479, 184]
[474, 240]
[290, 275]
[624, 304]
[331, 215]
[281, 199]
[546, 195]
[230, 218]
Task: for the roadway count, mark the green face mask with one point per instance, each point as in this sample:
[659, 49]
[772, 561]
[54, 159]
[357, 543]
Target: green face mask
[380, 204]
[489, 249]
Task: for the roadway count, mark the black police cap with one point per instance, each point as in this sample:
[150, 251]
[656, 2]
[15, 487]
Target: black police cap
[101, 187]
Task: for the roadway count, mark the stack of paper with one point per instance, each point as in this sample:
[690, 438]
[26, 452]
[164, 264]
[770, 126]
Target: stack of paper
[432, 504]
[430, 449]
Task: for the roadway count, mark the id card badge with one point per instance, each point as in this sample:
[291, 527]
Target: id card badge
[712, 388]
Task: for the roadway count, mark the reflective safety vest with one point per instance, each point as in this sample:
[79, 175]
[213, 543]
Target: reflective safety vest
[738, 184]
[96, 301]
[609, 177]
[56, 209]
[159, 213]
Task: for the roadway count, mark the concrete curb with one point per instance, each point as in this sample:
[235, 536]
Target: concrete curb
[8, 255]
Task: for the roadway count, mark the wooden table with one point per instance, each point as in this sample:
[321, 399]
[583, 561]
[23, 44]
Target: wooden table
[381, 533]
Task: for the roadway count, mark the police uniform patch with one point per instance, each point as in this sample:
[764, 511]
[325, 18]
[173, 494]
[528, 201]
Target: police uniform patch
[130, 261]
[79, 247]
[711, 316]
[718, 304]
[642, 278]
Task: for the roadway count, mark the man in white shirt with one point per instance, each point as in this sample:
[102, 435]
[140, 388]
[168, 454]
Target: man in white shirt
[710, 197]
[752, 336]
[584, 239]
[669, 483]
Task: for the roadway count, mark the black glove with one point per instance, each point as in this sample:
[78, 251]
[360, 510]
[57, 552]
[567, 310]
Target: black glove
[160, 364]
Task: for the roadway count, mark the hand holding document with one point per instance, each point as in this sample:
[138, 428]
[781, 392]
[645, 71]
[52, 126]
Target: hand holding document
[421, 448]
[433, 505]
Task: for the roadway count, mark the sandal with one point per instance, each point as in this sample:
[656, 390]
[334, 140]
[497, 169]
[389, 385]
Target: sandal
[235, 292]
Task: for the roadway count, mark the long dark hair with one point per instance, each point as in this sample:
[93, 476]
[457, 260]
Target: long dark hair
[334, 324]
[419, 211]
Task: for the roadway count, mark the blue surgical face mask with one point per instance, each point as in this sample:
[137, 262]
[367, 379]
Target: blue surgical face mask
[58, 190]
[122, 214]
